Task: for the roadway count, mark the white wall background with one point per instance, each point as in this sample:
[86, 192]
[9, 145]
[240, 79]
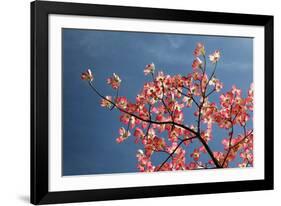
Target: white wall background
[14, 101]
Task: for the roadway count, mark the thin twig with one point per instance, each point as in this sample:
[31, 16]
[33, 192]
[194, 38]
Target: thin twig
[171, 154]
[140, 118]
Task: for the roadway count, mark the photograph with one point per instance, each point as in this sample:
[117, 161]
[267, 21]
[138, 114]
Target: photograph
[152, 102]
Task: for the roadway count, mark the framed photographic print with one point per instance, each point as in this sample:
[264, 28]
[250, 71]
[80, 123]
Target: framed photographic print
[133, 102]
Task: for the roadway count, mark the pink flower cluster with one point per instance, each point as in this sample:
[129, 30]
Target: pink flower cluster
[157, 117]
[87, 75]
[114, 81]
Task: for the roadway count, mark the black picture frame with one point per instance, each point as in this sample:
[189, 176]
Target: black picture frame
[39, 102]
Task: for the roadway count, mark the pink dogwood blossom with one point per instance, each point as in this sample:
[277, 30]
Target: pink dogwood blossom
[214, 57]
[150, 68]
[124, 134]
[114, 81]
[87, 75]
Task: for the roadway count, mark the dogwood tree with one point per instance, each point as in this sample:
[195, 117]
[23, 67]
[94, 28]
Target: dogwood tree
[156, 118]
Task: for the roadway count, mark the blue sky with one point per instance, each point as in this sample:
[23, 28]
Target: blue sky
[89, 131]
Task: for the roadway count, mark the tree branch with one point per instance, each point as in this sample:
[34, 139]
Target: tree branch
[208, 149]
[188, 97]
[140, 118]
[171, 154]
